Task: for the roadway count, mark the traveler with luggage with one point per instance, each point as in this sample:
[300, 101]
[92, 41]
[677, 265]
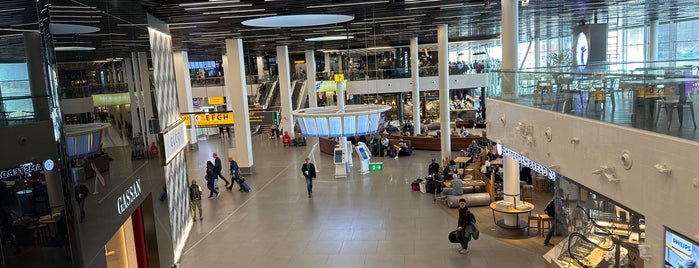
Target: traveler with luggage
[466, 226]
[195, 200]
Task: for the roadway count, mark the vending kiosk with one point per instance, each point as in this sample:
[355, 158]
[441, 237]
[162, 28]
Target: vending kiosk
[340, 158]
[363, 152]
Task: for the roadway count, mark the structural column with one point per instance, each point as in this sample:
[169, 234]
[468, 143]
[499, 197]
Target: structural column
[311, 81]
[287, 120]
[415, 81]
[653, 44]
[327, 64]
[235, 77]
[443, 63]
[260, 69]
[36, 75]
[510, 187]
[227, 88]
[510, 44]
[184, 92]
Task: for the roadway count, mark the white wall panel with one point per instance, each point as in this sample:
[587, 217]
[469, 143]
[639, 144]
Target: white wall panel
[664, 199]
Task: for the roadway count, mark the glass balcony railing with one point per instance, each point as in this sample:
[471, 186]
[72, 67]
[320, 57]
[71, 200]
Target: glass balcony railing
[658, 99]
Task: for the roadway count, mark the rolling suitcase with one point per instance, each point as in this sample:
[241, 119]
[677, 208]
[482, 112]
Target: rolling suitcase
[243, 185]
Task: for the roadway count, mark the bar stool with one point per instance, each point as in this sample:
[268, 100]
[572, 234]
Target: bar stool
[534, 217]
[545, 223]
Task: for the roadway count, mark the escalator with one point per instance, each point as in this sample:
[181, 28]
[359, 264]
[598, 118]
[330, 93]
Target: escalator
[298, 95]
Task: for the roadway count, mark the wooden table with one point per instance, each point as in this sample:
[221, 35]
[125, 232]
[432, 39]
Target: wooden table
[525, 207]
[462, 159]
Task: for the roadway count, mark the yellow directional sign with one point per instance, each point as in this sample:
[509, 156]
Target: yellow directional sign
[339, 77]
[216, 100]
[209, 120]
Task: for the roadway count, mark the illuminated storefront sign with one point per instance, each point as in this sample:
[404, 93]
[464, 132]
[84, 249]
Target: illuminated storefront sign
[523, 160]
[24, 169]
[172, 141]
[129, 196]
[111, 99]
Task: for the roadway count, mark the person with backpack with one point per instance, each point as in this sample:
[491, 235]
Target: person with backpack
[195, 200]
[466, 226]
[555, 210]
[211, 177]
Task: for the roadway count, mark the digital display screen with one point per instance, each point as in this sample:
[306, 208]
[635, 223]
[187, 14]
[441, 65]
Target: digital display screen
[338, 156]
[311, 127]
[680, 251]
[362, 124]
[349, 124]
[363, 152]
[300, 123]
[335, 126]
[322, 125]
[373, 123]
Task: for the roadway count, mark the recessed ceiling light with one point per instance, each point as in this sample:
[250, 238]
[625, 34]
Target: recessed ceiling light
[298, 20]
[73, 48]
[65, 28]
[329, 38]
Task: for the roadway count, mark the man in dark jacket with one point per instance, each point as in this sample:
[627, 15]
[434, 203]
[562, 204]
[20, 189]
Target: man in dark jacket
[433, 168]
[218, 167]
[309, 172]
[81, 193]
[235, 171]
[465, 226]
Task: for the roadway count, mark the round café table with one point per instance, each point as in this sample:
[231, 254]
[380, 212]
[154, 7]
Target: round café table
[524, 207]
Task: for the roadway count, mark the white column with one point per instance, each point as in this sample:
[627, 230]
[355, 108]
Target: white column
[146, 98]
[653, 44]
[510, 44]
[227, 88]
[184, 90]
[339, 63]
[287, 120]
[327, 63]
[311, 81]
[133, 96]
[443, 65]
[340, 91]
[415, 80]
[235, 77]
[537, 53]
[260, 68]
[510, 187]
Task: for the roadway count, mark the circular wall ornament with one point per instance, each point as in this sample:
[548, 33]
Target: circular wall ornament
[626, 160]
[548, 134]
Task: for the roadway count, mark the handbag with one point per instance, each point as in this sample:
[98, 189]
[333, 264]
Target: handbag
[454, 236]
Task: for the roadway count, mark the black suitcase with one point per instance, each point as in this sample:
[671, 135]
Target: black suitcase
[454, 237]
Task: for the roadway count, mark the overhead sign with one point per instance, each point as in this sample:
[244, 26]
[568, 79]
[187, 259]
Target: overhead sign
[212, 120]
[172, 142]
[339, 77]
[111, 99]
[263, 118]
[216, 100]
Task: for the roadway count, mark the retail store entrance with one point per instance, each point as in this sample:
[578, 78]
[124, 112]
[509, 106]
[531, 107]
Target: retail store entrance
[127, 248]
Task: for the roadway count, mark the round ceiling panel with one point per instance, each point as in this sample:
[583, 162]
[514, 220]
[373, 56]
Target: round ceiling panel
[306, 20]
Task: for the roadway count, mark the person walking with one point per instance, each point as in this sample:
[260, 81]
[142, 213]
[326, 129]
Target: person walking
[309, 172]
[81, 193]
[558, 216]
[218, 167]
[235, 171]
[195, 200]
[211, 179]
[466, 227]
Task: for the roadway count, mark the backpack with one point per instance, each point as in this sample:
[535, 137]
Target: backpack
[194, 193]
[550, 209]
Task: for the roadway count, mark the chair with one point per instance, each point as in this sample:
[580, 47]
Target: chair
[545, 223]
[670, 103]
[534, 218]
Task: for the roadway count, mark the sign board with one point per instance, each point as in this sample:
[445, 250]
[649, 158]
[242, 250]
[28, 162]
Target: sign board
[111, 99]
[339, 77]
[263, 118]
[216, 100]
[339, 156]
[172, 141]
[128, 196]
[213, 119]
[195, 102]
[377, 166]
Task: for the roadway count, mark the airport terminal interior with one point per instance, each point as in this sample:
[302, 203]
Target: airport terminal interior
[570, 126]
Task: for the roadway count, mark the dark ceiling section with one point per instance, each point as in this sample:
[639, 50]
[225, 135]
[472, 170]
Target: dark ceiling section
[202, 26]
[16, 17]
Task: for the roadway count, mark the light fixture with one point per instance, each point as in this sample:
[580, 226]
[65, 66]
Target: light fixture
[73, 48]
[67, 28]
[305, 20]
[328, 38]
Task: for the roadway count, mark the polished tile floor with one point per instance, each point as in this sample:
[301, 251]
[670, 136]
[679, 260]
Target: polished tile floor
[372, 220]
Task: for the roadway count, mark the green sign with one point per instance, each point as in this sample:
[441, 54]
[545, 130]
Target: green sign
[378, 166]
